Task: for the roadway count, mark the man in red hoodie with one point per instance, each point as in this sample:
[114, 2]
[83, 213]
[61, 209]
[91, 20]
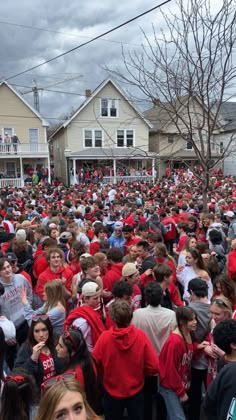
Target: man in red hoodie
[55, 271]
[114, 273]
[87, 318]
[125, 356]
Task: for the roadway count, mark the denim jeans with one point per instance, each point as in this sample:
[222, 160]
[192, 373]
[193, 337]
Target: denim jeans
[114, 407]
[173, 405]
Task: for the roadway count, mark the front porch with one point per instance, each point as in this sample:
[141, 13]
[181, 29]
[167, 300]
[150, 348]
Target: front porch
[112, 165]
[14, 170]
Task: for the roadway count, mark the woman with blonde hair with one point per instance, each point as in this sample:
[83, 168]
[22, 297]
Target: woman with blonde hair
[65, 399]
[54, 306]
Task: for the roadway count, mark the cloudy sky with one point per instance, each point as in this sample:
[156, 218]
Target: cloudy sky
[32, 32]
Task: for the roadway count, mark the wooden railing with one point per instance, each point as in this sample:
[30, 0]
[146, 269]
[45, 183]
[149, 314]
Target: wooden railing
[11, 182]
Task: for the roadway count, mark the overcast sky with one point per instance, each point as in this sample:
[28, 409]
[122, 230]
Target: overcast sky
[77, 22]
[57, 26]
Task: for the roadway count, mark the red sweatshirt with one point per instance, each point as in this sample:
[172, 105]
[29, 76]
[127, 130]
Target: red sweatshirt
[112, 276]
[92, 317]
[125, 356]
[49, 275]
[175, 364]
[232, 264]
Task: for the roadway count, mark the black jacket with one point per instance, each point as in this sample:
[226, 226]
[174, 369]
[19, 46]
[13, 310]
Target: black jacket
[24, 361]
[220, 401]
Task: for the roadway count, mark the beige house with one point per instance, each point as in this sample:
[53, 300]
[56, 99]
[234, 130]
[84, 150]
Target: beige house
[106, 133]
[23, 138]
[170, 133]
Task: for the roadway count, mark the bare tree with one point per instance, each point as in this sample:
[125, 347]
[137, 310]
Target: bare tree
[190, 68]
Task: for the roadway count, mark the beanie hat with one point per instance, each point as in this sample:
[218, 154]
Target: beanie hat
[21, 234]
[129, 269]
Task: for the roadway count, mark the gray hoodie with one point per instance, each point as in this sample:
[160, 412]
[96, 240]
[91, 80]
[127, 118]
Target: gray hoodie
[10, 303]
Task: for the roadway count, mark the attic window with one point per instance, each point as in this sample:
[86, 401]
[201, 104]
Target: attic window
[170, 138]
[109, 107]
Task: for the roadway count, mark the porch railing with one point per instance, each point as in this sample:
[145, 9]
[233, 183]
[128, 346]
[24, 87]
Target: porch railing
[23, 149]
[11, 182]
[131, 178]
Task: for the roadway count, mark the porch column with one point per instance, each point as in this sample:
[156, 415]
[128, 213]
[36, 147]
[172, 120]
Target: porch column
[21, 172]
[153, 170]
[114, 170]
[74, 171]
[49, 170]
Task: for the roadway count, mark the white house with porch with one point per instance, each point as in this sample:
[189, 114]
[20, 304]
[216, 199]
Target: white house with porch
[107, 133]
[20, 121]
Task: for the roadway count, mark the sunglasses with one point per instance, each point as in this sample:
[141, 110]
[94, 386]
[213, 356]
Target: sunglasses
[219, 302]
[52, 381]
[67, 336]
[37, 318]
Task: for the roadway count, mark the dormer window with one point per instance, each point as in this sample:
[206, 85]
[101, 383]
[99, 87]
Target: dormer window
[109, 108]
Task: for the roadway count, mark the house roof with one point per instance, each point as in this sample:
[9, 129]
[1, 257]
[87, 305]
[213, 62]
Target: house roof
[111, 153]
[159, 116]
[90, 98]
[228, 112]
[17, 93]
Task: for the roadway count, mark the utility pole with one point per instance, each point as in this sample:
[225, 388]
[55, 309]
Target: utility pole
[36, 95]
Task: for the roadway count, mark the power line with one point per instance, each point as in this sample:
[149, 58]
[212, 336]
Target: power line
[91, 40]
[67, 33]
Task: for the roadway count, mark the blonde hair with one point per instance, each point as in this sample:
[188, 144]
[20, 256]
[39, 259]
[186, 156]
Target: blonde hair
[227, 307]
[55, 393]
[54, 293]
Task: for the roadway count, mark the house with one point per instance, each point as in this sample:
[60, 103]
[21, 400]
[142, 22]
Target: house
[23, 138]
[226, 140]
[171, 143]
[107, 133]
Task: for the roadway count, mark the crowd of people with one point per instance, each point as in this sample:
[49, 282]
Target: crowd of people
[118, 299]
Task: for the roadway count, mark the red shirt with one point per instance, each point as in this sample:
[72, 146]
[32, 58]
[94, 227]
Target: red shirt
[48, 365]
[171, 231]
[181, 243]
[129, 242]
[175, 364]
[112, 276]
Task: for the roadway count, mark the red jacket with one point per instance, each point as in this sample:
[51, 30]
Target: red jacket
[125, 356]
[232, 264]
[49, 275]
[40, 262]
[112, 276]
[94, 247]
[92, 317]
[171, 232]
[175, 364]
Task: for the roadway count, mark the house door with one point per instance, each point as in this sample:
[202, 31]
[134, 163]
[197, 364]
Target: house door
[33, 139]
[11, 169]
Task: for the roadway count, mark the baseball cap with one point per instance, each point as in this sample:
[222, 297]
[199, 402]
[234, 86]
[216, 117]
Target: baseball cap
[229, 214]
[91, 289]
[118, 225]
[129, 269]
[11, 256]
[65, 235]
[197, 285]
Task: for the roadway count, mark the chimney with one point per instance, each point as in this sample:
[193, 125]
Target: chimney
[88, 93]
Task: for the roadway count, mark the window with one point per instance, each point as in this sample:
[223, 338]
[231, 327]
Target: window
[125, 138]
[92, 138]
[8, 131]
[109, 107]
[189, 145]
[221, 147]
[170, 138]
[33, 139]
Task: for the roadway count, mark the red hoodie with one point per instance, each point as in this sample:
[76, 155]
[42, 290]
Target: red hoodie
[125, 356]
[112, 276]
[232, 264]
[49, 275]
[40, 262]
[92, 317]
